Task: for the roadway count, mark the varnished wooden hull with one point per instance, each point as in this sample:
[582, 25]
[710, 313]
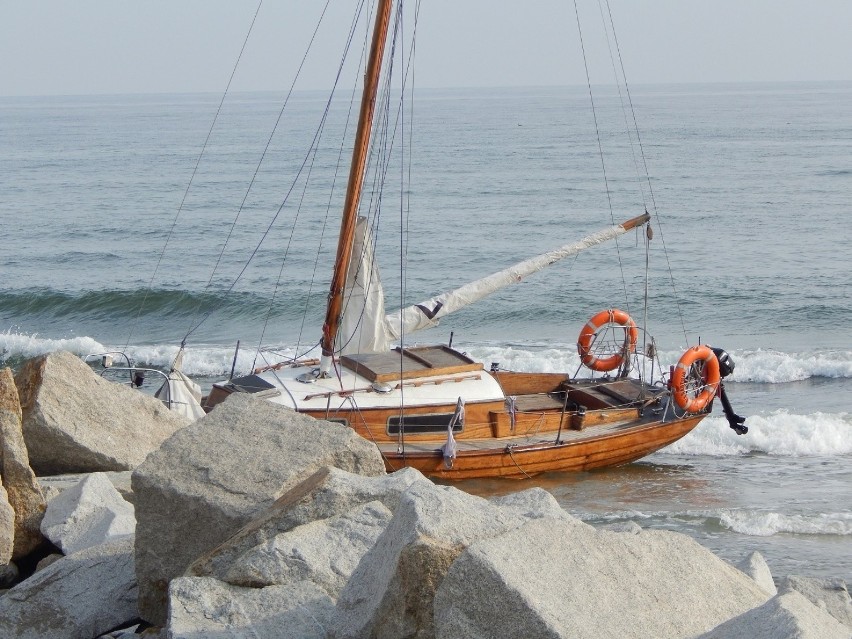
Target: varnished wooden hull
[613, 437]
[534, 423]
[514, 459]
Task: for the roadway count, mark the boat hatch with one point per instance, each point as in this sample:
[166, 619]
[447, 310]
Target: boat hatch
[409, 363]
[253, 384]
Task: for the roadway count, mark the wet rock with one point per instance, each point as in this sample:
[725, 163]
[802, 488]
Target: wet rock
[75, 421]
[213, 477]
[88, 514]
[82, 595]
[8, 575]
[23, 490]
[786, 616]
[550, 578]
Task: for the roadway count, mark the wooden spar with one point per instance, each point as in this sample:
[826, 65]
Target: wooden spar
[632, 223]
[356, 178]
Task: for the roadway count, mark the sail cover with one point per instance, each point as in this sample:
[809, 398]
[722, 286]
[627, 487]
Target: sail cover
[363, 326]
[428, 313]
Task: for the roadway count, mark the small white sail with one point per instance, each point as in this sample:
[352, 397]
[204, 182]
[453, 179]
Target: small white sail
[363, 326]
[428, 313]
[180, 393]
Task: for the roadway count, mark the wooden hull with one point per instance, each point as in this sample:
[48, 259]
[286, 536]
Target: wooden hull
[527, 424]
[517, 460]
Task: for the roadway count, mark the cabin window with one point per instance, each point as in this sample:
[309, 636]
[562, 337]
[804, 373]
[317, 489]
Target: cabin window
[413, 424]
[337, 420]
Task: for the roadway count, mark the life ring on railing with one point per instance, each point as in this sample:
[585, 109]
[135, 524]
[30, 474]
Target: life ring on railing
[587, 337]
[709, 376]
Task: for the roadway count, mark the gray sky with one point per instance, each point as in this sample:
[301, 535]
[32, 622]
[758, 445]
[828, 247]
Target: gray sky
[52, 47]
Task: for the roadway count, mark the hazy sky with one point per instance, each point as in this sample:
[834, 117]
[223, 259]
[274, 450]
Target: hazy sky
[122, 46]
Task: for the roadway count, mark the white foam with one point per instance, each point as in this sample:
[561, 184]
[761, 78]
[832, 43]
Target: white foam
[756, 523]
[778, 433]
[766, 366]
[776, 367]
[29, 345]
[765, 524]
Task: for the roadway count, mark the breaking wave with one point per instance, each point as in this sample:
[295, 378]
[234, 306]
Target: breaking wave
[765, 524]
[778, 433]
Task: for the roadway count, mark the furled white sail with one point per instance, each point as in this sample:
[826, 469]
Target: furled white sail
[180, 393]
[363, 327]
[428, 313]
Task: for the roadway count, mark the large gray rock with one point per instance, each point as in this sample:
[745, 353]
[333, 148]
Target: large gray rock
[832, 595]
[391, 592]
[328, 492]
[533, 503]
[787, 616]
[88, 514]
[213, 477]
[74, 421]
[755, 566]
[324, 552]
[7, 528]
[205, 607]
[82, 595]
[23, 490]
[550, 578]
[54, 485]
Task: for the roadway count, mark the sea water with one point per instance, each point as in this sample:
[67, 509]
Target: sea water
[751, 186]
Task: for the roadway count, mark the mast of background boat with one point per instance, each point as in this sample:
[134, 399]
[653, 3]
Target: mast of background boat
[353, 188]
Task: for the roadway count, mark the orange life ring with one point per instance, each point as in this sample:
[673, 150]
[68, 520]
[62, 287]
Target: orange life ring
[709, 374]
[587, 336]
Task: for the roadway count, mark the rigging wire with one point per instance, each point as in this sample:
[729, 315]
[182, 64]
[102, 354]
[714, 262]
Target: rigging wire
[618, 80]
[192, 178]
[296, 217]
[192, 328]
[382, 146]
[650, 187]
[404, 216]
[290, 190]
[337, 167]
[639, 178]
[600, 151]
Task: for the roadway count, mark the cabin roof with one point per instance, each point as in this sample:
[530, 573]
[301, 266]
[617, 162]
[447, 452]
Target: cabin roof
[409, 363]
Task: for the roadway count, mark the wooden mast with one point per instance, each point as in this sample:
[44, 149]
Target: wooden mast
[356, 179]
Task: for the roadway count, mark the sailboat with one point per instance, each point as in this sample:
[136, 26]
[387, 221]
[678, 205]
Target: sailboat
[433, 408]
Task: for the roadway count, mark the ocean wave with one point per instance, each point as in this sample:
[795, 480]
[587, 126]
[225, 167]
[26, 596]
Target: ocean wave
[766, 524]
[778, 433]
[123, 305]
[761, 366]
[198, 361]
[752, 522]
[16, 347]
[775, 367]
